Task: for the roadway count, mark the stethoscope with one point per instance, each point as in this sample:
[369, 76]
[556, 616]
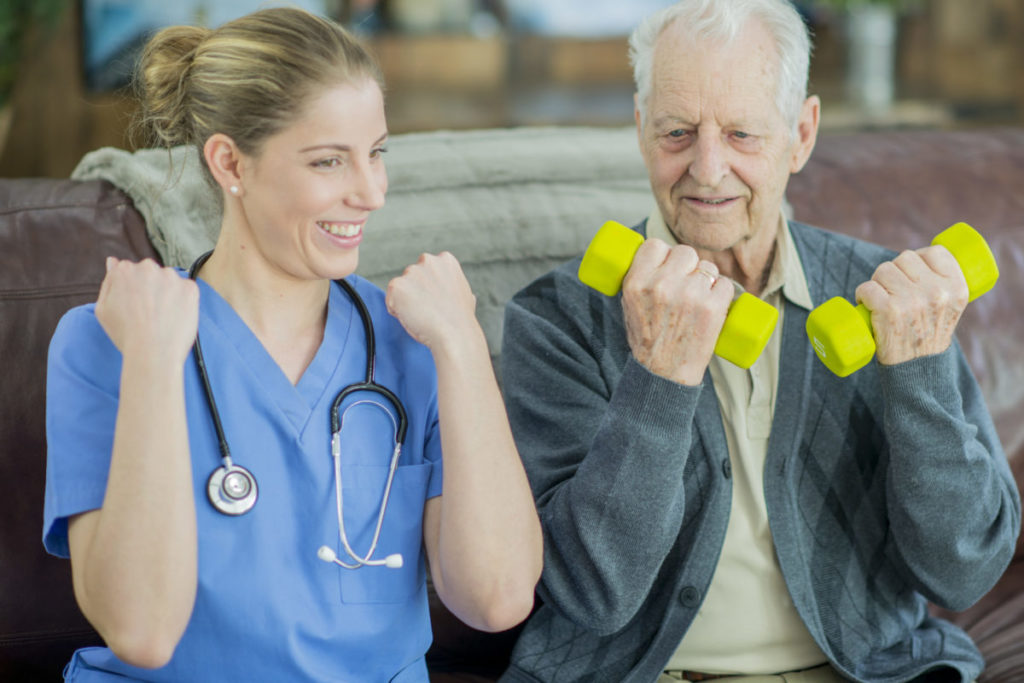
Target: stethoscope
[232, 489]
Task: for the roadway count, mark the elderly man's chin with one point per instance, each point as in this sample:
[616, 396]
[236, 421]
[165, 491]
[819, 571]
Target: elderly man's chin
[707, 233]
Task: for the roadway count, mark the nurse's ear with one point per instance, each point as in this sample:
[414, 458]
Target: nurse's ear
[224, 160]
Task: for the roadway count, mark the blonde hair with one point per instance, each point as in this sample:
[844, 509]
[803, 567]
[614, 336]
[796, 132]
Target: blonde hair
[247, 79]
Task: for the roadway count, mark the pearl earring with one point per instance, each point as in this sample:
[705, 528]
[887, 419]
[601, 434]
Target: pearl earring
[234, 189]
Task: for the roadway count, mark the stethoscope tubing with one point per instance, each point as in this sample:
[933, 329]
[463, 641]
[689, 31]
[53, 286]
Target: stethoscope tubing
[369, 383]
[340, 498]
[197, 352]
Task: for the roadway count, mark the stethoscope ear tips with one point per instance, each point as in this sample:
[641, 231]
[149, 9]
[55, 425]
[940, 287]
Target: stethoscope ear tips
[393, 561]
[326, 554]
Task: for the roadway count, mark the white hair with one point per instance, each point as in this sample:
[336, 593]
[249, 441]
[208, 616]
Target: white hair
[723, 20]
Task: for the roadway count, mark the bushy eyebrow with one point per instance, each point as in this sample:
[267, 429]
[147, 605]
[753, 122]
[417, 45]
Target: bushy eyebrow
[669, 121]
[674, 120]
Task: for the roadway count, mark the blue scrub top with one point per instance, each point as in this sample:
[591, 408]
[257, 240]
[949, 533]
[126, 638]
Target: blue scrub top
[267, 609]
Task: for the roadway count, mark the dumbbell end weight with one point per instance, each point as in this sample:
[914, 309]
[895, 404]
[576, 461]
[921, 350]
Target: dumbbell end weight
[747, 329]
[974, 256]
[608, 257]
[748, 325]
[841, 335]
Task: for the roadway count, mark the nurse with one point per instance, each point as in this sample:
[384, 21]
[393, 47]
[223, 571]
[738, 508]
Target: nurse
[287, 113]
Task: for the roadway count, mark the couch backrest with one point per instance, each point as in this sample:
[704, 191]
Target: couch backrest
[54, 236]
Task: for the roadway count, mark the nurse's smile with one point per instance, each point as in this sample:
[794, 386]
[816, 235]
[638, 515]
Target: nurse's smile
[345, 235]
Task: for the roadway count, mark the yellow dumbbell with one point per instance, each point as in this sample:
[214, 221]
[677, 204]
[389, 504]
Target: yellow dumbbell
[841, 332]
[748, 325]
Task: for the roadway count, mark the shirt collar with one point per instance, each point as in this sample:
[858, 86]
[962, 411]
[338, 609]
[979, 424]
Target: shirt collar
[787, 272]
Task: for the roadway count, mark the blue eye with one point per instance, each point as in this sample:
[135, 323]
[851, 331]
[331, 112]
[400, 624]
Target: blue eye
[677, 133]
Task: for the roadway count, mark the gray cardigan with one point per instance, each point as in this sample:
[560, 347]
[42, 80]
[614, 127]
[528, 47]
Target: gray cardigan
[884, 490]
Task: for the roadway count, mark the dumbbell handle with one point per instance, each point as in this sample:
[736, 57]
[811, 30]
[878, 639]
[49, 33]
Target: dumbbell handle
[748, 324]
[841, 333]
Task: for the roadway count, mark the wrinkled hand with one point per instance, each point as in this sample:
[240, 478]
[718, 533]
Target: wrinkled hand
[147, 309]
[674, 305]
[433, 300]
[916, 301]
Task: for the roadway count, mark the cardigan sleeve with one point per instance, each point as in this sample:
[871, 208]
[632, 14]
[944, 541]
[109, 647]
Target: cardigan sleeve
[953, 507]
[604, 443]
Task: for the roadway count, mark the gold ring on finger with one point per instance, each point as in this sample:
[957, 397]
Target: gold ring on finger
[710, 276]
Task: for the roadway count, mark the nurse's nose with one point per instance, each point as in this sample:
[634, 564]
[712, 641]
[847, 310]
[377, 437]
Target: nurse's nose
[709, 165]
[369, 185]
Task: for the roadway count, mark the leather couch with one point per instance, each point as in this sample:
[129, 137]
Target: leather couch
[895, 188]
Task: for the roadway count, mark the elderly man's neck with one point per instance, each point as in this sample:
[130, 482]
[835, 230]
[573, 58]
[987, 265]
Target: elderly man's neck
[749, 262]
[753, 276]
[749, 265]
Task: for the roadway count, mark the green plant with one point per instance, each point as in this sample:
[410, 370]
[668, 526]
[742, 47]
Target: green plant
[18, 20]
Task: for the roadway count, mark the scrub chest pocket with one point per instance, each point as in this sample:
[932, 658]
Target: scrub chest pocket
[402, 532]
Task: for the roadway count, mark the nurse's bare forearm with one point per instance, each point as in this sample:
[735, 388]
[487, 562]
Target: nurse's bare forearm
[134, 560]
[490, 538]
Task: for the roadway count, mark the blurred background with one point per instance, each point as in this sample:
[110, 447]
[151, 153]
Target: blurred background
[456, 64]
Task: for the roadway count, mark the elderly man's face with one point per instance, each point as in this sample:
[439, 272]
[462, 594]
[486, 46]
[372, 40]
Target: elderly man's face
[717, 149]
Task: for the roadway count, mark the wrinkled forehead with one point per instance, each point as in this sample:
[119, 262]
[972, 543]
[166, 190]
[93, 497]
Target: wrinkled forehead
[746, 64]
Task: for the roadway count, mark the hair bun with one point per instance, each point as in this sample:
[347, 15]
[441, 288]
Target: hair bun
[247, 79]
[162, 82]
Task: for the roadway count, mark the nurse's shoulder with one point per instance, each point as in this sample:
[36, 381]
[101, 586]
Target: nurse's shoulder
[80, 344]
[396, 348]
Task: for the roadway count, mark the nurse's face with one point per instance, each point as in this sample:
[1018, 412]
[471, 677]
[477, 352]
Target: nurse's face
[313, 185]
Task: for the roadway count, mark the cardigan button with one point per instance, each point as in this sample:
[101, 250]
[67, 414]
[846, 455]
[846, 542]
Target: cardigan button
[727, 468]
[689, 596]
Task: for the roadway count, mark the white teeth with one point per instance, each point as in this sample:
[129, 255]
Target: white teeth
[341, 229]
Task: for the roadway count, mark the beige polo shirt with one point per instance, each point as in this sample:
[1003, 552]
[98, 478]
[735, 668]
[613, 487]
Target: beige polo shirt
[747, 623]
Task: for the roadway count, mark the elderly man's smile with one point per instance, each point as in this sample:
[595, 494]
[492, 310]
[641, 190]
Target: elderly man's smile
[710, 203]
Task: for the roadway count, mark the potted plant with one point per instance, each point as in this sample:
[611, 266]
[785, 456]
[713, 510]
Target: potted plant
[18, 20]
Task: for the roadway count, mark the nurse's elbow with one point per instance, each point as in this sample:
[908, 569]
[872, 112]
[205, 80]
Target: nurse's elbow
[144, 648]
[506, 611]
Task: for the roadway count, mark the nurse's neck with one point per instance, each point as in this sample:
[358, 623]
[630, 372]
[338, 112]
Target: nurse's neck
[286, 314]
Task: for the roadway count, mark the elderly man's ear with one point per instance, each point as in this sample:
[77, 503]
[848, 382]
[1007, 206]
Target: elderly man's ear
[806, 133]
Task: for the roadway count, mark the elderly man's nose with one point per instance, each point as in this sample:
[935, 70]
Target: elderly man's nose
[709, 164]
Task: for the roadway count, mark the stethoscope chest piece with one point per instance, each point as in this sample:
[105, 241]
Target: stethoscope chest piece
[232, 489]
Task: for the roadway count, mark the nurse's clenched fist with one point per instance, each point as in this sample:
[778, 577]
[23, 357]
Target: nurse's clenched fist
[147, 309]
[433, 301]
[674, 305]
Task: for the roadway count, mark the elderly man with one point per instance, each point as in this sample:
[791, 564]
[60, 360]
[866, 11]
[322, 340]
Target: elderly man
[778, 523]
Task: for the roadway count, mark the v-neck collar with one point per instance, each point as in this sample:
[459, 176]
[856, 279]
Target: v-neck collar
[297, 401]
